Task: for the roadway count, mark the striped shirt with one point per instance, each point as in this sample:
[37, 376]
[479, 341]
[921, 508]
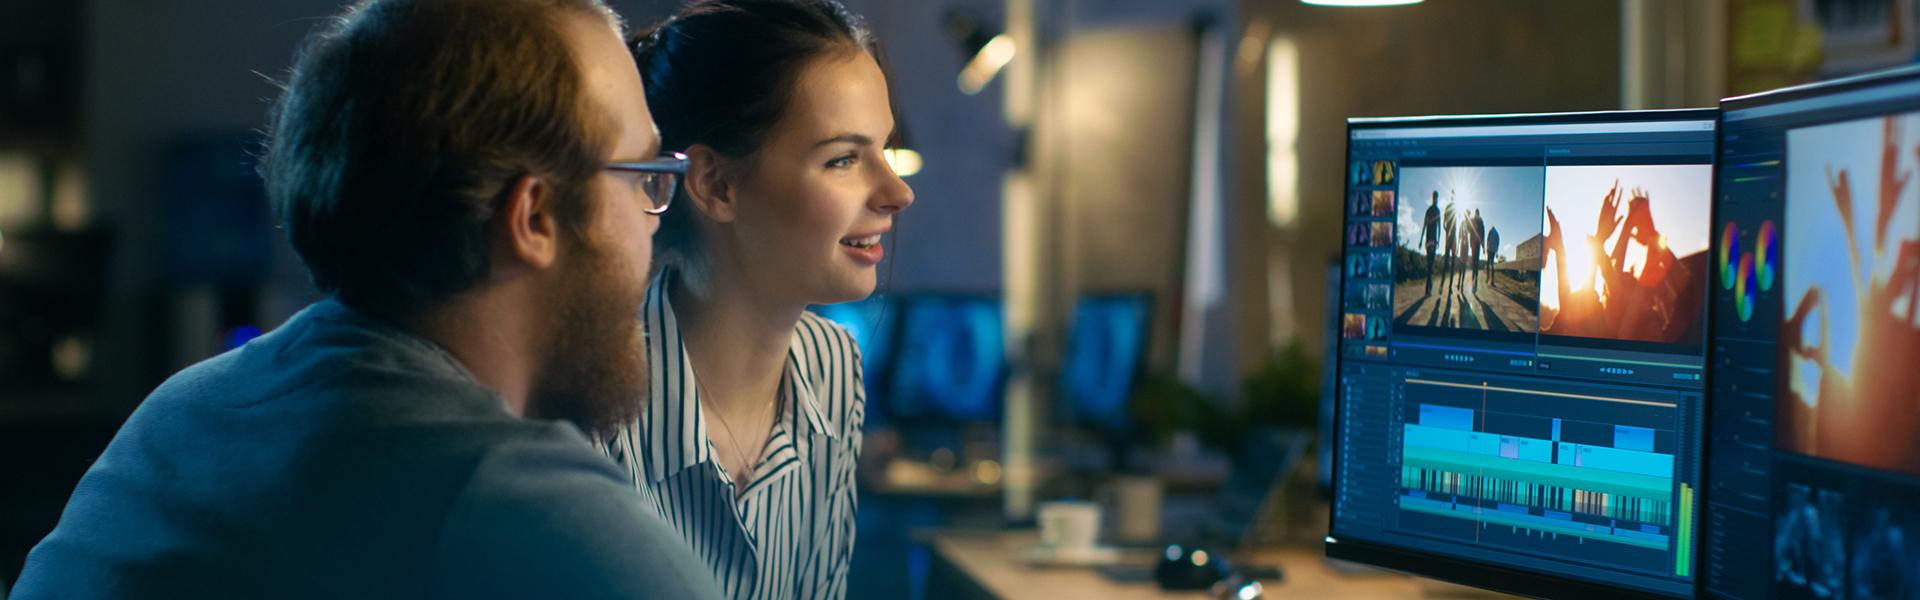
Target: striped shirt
[790, 533]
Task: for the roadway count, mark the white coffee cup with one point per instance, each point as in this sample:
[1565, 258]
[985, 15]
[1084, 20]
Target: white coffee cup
[1069, 525]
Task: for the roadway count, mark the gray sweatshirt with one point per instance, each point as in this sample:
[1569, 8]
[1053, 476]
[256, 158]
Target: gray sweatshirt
[342, 457]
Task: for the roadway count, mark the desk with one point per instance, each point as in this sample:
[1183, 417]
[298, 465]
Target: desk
[987, 564]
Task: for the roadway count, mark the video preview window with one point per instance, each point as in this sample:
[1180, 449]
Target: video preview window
[1850, 343]
[1626, 252]
[1470, 249]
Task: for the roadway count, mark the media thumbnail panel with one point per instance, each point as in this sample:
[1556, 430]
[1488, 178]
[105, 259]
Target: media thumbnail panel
[1840, 532]
[1366, 295]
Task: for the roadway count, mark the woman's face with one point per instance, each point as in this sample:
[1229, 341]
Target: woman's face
[812, 206]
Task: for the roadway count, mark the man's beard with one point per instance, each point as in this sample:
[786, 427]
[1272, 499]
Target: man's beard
[596, 371]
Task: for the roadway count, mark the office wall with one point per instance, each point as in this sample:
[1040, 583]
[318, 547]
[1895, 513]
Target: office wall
[1117, 126]
[1114, 145]
[155, 72]
[1446, 57]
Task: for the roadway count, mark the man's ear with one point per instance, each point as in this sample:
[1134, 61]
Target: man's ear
[708, 184]
[526, 232]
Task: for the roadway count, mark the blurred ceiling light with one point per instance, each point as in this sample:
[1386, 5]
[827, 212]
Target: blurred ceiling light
[986, 64]
[1283, 132]
[20, 189]
[71, 210]
[71, 357]
[1351, 3]
[982, 45]
[905, 162]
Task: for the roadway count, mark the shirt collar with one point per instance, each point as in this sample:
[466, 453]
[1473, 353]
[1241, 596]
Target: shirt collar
[675, 428]
[798, 379]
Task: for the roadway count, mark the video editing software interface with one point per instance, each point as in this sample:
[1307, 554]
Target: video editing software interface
[1815, 424]
[1523, 342]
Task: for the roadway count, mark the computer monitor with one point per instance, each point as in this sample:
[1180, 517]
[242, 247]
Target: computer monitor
[951, 360]
[1814, 451]
[1329, 386]
[1523, 343]
[1106, 344]
[871, 322]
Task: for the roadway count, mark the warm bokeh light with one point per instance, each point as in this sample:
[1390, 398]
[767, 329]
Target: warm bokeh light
[986, 64]
[905, 162]
[1283, 132]
[986, 472]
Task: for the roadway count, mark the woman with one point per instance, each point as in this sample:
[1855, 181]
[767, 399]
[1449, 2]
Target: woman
[749, 441]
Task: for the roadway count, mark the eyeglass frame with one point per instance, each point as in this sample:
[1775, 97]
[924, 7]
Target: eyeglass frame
[673, 164]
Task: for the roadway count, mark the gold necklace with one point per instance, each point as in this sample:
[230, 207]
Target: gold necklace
[746, 467]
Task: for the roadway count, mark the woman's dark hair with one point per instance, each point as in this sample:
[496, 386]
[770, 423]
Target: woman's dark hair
[722, 73]
[402, 128]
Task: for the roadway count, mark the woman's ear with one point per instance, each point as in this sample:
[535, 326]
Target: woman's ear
[708, 184]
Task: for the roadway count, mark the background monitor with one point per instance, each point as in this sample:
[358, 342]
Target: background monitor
[1323, 441]
[1267, 459]
[951, 361]
[1815, 423]
[871, 322]
[1105, 347]
[1520, 369]
[1329, 386]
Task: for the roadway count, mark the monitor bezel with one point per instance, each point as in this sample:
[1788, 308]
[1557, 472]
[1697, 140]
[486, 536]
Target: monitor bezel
[1454, 569]
[1818, 88]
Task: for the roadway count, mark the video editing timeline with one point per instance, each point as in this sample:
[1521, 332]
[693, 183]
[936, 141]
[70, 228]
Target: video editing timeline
[1814, 429]
[1522, 353]
[1547, 476]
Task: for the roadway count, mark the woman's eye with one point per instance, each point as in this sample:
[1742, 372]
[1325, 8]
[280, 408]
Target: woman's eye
[841, 162]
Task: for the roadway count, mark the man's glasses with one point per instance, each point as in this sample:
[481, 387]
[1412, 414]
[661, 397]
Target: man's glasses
[656, 178]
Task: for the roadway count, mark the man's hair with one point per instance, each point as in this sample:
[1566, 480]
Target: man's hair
[402, 128]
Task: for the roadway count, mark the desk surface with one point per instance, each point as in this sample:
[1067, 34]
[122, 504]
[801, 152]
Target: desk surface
[992, 560]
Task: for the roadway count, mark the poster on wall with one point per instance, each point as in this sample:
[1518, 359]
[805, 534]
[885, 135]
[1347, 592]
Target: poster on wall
[1862, 35]
[1778, 43]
